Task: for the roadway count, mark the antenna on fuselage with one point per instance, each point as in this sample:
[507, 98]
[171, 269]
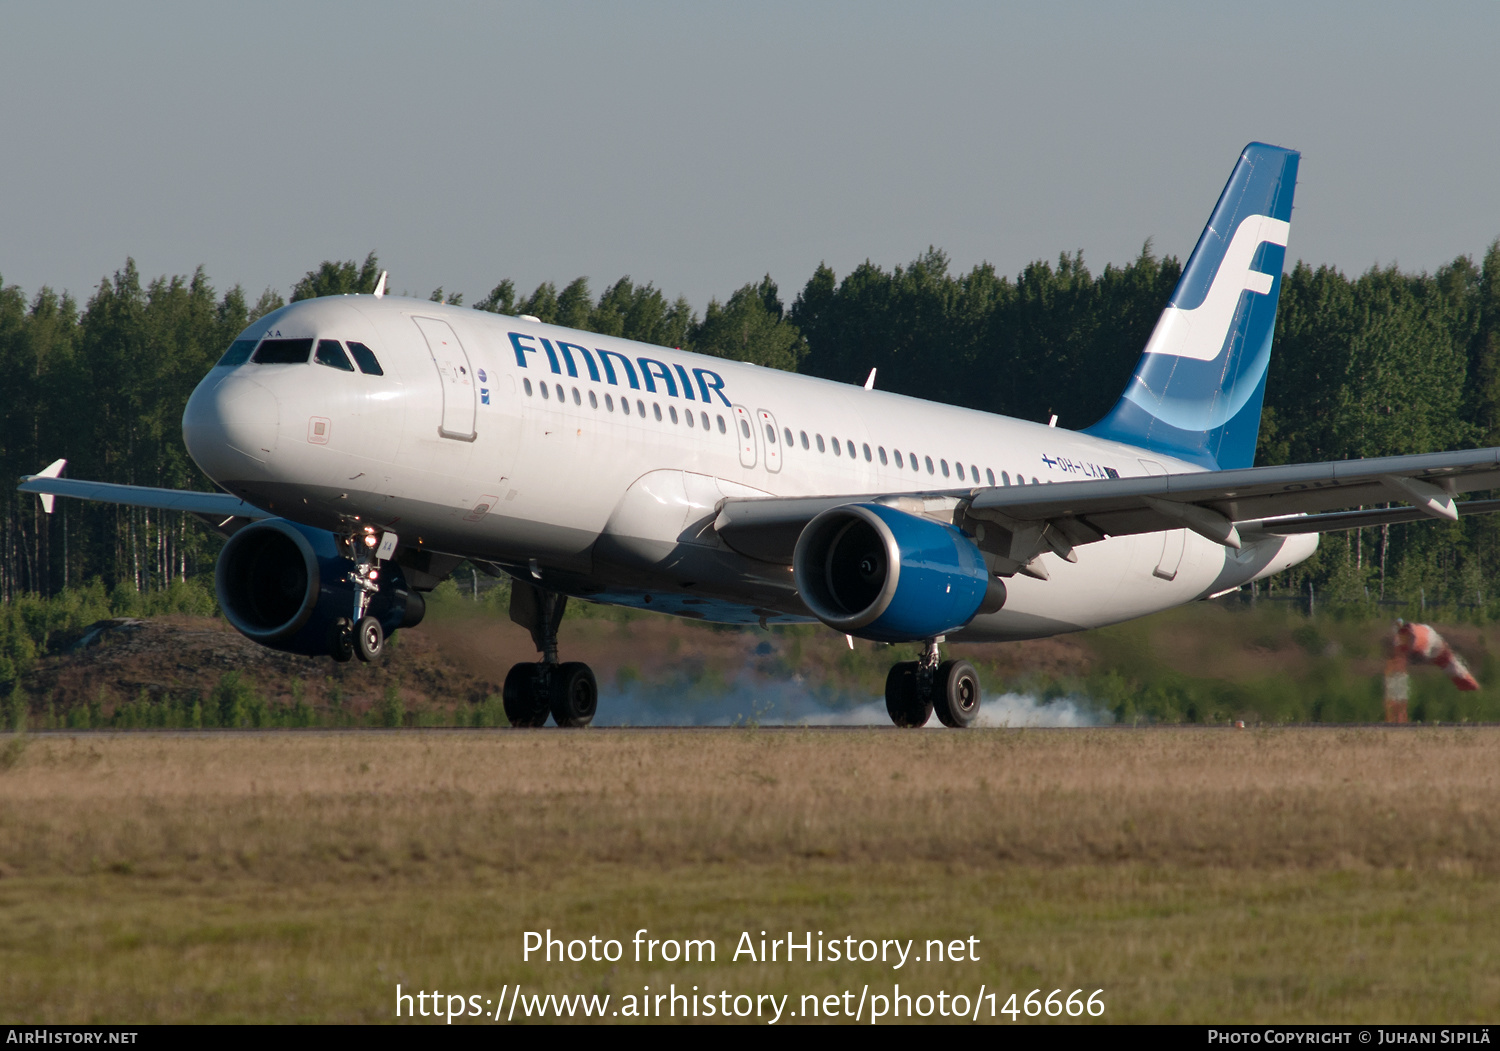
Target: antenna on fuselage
[870, 380]
[380, 285]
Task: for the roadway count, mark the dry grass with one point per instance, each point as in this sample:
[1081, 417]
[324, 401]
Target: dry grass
[323, 805]
[1278, 875]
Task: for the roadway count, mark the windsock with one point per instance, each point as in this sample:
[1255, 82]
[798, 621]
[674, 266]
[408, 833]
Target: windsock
[1419, 644]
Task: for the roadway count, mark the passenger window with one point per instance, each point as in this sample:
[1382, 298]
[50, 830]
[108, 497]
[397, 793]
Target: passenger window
[974, 472]
[625, 406]
[868, 457]
[722, 428]
[656, 408]
[284, 352]
[787, 435]
[609, 403]
[238, 352]
[527, 384]
[364, 357]
[929, 465]
[672, 409]
[945, 467]
[1034, 481]
[770, 435]
[560, 395]
[744, 429]
[990, 475]
[913, 458]
[689, 417]
[960, 468]
[820, 444]
[899, 462]
[838, 450]
[881, 450]
[593, 400]
[704, 417]
[546, 391]
[804, 439]
[640, 408]
[850, 443]
[576, 399]
[1004, 478]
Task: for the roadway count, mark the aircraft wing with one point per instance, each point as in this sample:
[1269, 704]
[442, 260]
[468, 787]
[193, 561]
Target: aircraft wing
[220, 510]
[1221, 505]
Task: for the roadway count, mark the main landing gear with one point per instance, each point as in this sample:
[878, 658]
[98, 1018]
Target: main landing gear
[915, 689]
[568, 691]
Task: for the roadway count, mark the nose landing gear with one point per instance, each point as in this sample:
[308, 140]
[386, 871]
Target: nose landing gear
[915, 689]
[360, 635]
[568, 692]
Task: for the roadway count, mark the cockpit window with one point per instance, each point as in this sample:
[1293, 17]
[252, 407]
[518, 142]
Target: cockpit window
[238, 352]
[332, 355]
[284, 352]
[366, 358]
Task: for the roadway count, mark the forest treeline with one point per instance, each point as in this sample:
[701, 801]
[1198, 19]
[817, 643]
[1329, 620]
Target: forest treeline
[1383, 363]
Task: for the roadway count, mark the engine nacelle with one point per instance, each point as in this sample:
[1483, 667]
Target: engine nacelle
[882, 574]
[285, 585]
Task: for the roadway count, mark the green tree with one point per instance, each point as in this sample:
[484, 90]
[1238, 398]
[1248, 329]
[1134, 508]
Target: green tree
[501, 300]
[751, 327]
[336, 279]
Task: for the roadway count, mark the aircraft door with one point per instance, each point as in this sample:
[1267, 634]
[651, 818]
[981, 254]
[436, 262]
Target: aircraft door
[455, 376]
[1172, 541]
[745, 432]
[767, 428]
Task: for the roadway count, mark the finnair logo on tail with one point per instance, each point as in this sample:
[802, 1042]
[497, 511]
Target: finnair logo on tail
[1199, 333]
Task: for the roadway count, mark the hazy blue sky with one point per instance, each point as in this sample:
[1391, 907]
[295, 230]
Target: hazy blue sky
[700, 145]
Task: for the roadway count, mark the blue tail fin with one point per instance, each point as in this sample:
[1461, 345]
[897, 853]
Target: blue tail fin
[1197, 390]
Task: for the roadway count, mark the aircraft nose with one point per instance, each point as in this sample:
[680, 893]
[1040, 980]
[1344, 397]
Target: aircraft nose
[230, 427]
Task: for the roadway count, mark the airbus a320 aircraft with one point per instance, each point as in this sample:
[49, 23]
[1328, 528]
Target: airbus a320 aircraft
[367, 444]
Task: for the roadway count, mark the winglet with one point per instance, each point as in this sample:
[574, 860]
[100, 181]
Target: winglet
[52, 470]
[380, 285]
[870, 380]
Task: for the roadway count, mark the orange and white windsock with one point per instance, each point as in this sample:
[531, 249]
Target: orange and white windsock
[1419, 644]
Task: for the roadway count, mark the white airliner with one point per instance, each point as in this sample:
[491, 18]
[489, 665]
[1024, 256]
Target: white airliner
[368, 443]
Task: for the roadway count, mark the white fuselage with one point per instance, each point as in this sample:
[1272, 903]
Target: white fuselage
[515, 448]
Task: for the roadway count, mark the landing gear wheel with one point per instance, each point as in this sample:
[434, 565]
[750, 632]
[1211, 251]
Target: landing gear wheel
[525, 702]
[369, 639]
[575, 694]
[341, 641]
[903, 696]
[957, 688]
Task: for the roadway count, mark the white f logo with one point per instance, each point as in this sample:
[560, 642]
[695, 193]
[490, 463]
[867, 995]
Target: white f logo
[1199, 333]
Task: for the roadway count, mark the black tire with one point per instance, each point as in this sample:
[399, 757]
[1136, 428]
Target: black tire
[904, 702]
[341, 641]
[369, 640]
[575, 694]
[525, 704]
[958, 697]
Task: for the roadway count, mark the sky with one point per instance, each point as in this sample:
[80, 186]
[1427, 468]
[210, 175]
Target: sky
[701, 145]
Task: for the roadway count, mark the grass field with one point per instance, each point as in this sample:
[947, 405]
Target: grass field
[1191, 874]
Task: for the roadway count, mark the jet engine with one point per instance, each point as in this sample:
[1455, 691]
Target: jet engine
[287, 586]
[883, 574]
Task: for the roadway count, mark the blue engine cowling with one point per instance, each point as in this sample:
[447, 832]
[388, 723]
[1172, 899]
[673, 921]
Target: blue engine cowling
[882, 574]
[285, 586]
